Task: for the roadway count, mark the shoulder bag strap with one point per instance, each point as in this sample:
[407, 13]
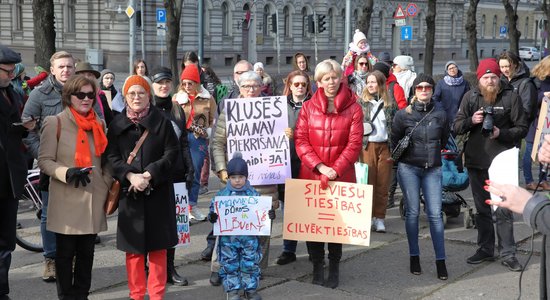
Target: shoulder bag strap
[424, 117]
[377, 111]
[136, 148]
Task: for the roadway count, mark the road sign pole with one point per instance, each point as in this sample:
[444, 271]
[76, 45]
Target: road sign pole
[132, 40]
[315, 36]
[142, 15]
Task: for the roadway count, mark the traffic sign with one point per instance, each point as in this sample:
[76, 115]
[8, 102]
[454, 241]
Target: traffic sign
[406, 33]
[412, 9]
[503, 30]
[400, 22]
[161, 15]
[399, 13]
[130, 11]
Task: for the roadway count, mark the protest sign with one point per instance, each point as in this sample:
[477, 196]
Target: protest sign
[255, 127]
[182, 214]
[339, 214]
[543, 128]
[242, 215]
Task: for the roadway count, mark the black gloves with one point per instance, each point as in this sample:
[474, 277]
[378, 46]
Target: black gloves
[271, 214]
[212, 217]
[78, 176]
[190, 177]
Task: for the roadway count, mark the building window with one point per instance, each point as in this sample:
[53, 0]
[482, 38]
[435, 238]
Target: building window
[526, 30]
[226, 20]
[453, 26]
[382, 19]
[206, 19]
[354, 20]
[331, 23]
[495, 29]
[287, 21]
[482, 29]
[421, 25]
[19, 15]
[71, 16]
[305, 25]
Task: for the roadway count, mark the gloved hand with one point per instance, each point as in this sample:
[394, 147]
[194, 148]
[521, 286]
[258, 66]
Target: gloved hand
[212, 217]
[76, 175]
[189, 181]
[271, 214]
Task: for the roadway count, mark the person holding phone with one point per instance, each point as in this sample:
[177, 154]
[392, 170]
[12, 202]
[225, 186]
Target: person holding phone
[70, 153]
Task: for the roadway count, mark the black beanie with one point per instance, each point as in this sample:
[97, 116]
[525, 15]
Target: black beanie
[382, 67]
[237, 165]
[423, 78]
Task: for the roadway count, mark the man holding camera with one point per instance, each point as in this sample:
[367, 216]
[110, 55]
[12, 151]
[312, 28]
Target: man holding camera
[493, 116]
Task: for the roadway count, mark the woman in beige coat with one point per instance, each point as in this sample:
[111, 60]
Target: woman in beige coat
[71, 145]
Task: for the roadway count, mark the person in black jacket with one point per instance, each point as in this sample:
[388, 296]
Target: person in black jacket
[495, 99]
[420, 168]
[183, 167]
[13, 167]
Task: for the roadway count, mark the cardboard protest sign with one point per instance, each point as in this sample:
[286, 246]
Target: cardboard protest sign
[242, 215]
[255, 127]
[182, 214]
[543, 128]
[339, 214]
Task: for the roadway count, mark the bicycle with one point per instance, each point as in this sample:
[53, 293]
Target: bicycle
[29, 215]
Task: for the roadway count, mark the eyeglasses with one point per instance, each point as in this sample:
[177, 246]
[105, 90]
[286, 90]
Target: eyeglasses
[82, 95]
[240, 72]
[427, 88]
[452, 68]
[134, 94]
[10, 72]
[297, 84]
[363, 64]
[250, 87]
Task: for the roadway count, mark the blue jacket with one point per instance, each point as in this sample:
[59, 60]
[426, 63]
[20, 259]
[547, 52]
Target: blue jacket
[450, 96]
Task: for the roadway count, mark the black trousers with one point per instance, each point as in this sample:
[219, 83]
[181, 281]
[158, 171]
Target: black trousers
[74, 285]
[8, 221]
[317, 251]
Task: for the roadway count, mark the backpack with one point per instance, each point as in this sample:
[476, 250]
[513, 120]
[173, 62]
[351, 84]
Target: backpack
[532, 102]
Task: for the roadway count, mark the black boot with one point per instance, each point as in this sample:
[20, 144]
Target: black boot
[441, 269]
[318, 273]
[415, 265]
[172, 275]
[333, 274]
[215, 279]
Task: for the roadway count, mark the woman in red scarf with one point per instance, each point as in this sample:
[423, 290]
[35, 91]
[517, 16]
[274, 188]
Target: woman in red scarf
[70, 153]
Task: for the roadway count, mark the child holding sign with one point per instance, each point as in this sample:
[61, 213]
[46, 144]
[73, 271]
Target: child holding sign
[239, 255]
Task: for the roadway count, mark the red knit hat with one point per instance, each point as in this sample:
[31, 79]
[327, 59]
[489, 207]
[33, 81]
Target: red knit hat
[488, 65]
[135, 80]
[191, 72]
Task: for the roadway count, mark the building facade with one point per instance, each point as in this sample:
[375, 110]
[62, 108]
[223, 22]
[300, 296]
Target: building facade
[270, 31]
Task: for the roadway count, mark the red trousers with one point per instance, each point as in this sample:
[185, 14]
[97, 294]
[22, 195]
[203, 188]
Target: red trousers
[156, 281]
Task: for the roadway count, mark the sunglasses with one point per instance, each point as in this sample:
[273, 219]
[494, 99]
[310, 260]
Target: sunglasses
[10, 72]
[82, 95]
[297, 84]
[427, 88]
[363, 64]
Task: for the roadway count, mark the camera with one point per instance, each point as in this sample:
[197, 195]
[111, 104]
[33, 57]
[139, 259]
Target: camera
[487, 127]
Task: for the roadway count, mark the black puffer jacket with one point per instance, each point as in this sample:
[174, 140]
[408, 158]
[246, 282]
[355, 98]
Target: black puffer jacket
[508, 117]
[428, 138]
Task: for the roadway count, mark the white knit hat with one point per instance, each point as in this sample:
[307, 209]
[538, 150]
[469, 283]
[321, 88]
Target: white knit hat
[404, 62]
[358, 36]
[258, 65]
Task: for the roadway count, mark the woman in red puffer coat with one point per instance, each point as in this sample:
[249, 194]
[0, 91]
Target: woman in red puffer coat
[328, 137]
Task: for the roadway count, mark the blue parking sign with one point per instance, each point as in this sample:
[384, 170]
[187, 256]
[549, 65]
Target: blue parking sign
[406, 33]
[161, 15]
[503, 29]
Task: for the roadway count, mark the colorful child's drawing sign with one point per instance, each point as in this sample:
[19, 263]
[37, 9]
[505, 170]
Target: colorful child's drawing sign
[242, 215]
[339, 214]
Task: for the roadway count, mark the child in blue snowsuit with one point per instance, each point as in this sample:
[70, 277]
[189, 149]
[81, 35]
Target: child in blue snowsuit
[239, 255]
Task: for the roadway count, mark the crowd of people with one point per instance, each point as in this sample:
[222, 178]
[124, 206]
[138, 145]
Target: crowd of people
[83, 131]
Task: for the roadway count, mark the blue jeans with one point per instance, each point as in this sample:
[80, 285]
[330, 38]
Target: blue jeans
[412, 179]
[198, 148]
[288, 245]
[526, 165]
[48, 237]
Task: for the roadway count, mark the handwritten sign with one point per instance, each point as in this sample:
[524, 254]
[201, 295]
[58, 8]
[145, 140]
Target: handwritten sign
[182, 214]
[339, 214]
[255, 127]
[543, 128]
[242, 215]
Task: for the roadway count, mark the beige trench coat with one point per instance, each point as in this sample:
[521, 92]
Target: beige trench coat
[71, 210]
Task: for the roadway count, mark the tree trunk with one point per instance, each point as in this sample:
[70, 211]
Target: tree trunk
[173, 16]
[471, 34]
[545, 7]
[513, 32]
[364, 23]
[430, 38]
[44, 32]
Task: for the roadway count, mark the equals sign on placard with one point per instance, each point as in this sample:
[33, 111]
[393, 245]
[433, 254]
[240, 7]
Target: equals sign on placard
[324, 216]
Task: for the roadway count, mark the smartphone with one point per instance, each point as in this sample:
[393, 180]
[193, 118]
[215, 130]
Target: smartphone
[86, 169]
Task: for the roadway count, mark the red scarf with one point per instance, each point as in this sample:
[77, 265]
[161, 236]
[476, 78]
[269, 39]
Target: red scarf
[82, 155]
[192, 112]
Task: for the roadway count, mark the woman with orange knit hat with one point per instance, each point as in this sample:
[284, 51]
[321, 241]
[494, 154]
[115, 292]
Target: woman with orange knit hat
[200, 109]
[146, 215]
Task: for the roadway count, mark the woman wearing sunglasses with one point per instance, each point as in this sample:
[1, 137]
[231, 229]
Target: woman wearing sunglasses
[297, 90]
[419, 168]
[70, 152]
[358, 79]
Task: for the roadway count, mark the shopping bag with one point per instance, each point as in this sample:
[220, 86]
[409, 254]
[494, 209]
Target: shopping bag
[362, 172]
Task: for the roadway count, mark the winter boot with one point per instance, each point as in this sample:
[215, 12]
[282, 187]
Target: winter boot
[441, 269]
[333, 274]
[415, 265]
[172, 275]
[318, 273]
